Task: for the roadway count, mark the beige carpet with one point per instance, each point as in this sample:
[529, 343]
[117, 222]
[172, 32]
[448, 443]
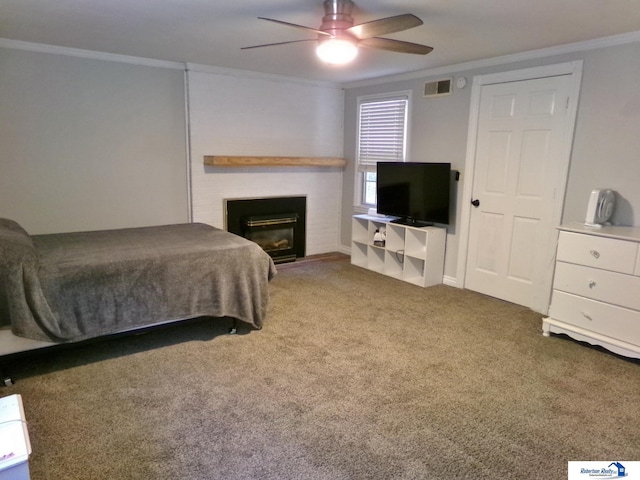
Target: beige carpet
[355, 376]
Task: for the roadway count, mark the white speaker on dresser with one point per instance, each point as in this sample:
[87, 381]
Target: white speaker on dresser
[600, 207]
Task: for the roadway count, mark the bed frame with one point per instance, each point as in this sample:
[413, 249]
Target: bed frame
[67, 288]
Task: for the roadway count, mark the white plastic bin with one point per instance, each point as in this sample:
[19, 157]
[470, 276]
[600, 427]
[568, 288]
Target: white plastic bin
[15, 447]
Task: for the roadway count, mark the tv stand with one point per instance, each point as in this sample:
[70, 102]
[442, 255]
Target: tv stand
[414, 254]
[411, 222]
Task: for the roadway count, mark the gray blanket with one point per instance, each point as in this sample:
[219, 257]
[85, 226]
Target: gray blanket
[74, 286]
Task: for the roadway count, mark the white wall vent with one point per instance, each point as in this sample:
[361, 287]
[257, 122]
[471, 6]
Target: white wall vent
[438, 87]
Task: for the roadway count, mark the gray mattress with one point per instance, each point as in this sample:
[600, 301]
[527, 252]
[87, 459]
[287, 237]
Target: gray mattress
[73, 286]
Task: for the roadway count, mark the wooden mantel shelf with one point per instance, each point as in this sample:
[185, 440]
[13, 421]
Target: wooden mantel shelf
[220, 161]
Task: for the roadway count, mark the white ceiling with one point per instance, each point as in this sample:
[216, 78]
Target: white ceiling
[211, 32]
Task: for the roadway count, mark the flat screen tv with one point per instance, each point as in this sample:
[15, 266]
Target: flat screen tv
[417, 193]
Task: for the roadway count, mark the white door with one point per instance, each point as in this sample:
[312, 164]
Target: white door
[521, 138]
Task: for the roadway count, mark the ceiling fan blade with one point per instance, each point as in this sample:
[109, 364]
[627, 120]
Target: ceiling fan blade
[294, 25]
[279, 43]
[384, 26]
[394, 45]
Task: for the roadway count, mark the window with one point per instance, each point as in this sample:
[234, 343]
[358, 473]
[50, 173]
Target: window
[382, 137]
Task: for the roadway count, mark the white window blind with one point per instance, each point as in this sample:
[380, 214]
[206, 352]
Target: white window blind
[382, 131]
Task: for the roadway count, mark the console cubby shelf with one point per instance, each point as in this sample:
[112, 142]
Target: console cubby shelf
[412, 254]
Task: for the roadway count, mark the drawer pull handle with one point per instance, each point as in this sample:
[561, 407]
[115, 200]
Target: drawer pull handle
[595, 253]
[592, 283]
[587, 316]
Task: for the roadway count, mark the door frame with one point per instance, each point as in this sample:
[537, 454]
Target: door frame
[543, 292]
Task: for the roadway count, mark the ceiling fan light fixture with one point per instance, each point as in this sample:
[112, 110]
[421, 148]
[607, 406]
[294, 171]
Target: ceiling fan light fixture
[337, 51]
[339, 39]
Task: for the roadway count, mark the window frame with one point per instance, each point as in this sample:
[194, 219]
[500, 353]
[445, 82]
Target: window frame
[362, 167]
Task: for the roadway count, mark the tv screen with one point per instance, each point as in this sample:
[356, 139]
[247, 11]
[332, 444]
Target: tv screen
[418, 193]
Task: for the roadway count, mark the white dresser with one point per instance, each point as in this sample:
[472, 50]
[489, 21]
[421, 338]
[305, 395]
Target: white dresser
[596, 287]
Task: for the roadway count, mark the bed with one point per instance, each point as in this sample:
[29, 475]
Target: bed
[69, 287]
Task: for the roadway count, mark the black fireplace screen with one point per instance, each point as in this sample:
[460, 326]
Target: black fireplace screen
[274, 233]
[277, 224]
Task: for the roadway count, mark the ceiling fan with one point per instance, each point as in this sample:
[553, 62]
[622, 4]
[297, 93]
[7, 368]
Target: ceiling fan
[338, 38]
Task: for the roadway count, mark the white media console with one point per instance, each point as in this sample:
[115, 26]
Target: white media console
[412, 254]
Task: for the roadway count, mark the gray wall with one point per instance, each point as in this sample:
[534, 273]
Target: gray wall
[88, 144]
[606, 150]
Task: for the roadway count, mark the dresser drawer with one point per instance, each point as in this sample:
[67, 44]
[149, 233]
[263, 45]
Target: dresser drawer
[616, 322]
[616, 288]
[600, 252]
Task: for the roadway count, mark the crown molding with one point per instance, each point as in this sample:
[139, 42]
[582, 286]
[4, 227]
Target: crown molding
[232, 72]
[77, 52]
[149, 62]
[613, 40]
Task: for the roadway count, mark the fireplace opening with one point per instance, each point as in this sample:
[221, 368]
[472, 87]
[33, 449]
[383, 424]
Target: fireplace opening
[277, 224]
[274, 233]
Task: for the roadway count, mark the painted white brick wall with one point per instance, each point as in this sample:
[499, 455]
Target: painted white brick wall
[236, 114]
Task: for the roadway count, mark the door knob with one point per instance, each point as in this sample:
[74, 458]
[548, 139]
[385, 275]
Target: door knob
[475, 203]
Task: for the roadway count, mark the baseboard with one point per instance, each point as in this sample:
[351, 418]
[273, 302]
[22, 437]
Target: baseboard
[451, 281]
